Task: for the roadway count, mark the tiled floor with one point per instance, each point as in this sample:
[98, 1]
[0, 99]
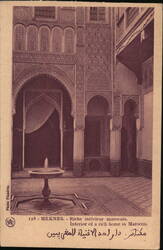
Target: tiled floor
[112, 196]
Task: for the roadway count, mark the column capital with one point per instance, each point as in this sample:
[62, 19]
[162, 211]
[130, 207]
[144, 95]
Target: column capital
[116, 123]
[78, 128]
[79, 122]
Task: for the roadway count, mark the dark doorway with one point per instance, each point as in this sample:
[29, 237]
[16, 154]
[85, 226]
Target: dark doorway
[92, 137]
[44, 142]
[96, 141]
[128, 138]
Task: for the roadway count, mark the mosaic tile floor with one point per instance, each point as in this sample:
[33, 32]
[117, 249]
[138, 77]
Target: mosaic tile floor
[121, 196]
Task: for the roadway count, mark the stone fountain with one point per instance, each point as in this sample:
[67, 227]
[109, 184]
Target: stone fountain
[46, 173]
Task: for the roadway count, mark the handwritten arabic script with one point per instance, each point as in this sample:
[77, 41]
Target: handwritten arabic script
[86, 233]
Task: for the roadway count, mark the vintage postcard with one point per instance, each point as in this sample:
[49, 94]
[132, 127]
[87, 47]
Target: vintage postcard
[80, 134]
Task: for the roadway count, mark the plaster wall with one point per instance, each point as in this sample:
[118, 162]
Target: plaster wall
[147, 129]
[125, 80]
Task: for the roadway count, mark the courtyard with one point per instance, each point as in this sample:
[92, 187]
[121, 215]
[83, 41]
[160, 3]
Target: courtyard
[105, 195]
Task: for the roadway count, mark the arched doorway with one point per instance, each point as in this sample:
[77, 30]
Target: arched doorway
[128, 138]
[97, 134]
[42, 125]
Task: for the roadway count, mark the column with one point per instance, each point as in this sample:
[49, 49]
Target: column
[115, 149]
[138, 139]
[78, 154]
[139, 146]
[79, 116]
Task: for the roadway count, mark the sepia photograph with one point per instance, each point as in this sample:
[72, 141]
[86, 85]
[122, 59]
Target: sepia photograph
[80, 124]
[82, 110]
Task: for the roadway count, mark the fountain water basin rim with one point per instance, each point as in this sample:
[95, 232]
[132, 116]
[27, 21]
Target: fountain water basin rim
[46, 173]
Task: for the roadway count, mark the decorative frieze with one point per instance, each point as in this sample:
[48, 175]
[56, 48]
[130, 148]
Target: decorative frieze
[38, 57]
[44, 38]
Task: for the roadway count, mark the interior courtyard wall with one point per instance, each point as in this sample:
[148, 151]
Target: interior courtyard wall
[125, 80]
[86, 71]
[147, 128]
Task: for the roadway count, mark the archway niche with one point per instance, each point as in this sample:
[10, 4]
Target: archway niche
[128, 138]
[43, 125]
[19, 37]
[97, 135]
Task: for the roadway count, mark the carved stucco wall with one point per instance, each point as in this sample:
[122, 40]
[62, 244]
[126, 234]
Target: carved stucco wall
[98, 57]
[27, 64]
[22, 72]
[98, 62]
[85, 74]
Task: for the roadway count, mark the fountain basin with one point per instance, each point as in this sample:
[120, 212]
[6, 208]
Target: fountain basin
[46, 173]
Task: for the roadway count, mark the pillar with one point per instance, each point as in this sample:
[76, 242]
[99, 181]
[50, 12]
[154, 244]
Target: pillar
[138, 139]
[79, 116]
[115, 149]
[78, 154]
[139, 147]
